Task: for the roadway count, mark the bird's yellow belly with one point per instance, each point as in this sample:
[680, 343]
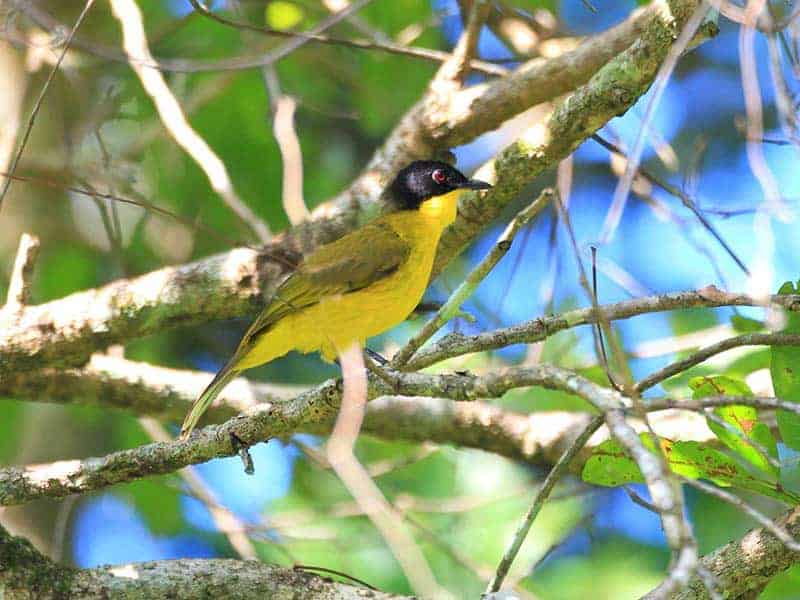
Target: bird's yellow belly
[337, 321]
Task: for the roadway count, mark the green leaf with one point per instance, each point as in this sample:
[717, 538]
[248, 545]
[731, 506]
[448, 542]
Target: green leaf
[746, 324]
[742, 422]
[785, 370]
[610, 465]
[718, 385]
[696, 460]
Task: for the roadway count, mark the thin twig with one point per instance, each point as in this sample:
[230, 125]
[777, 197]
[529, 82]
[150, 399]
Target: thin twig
[20, 283]
[697, 404]
[172, 116]
[747, 339]
[664, 73]
[254, 61]
[685, 199]
[600, 322]
[299, 567]
[40, 98]
[300, 38]
[542, 328]
[638, 500]
[558, 470]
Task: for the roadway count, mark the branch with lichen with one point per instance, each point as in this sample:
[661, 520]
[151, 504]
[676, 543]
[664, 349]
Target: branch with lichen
[25, 574]
[315, 409]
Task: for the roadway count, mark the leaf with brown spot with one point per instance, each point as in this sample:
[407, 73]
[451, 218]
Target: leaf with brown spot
[743, 433]
[611, 466]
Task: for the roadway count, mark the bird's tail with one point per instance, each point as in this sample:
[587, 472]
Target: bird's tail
[205, 399]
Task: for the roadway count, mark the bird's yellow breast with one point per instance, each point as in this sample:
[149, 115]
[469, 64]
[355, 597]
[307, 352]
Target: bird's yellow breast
[337, 321]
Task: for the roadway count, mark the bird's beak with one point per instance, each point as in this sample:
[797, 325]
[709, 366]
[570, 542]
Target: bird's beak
[475, 184]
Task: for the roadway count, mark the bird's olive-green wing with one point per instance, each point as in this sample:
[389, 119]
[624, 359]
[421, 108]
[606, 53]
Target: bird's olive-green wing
[351, 263]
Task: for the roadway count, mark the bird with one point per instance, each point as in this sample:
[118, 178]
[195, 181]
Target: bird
[357, 286]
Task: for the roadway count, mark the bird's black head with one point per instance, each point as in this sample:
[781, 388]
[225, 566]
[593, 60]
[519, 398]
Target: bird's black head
[424, 179]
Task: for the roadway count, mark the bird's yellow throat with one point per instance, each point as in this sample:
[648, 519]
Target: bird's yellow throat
[441, 208]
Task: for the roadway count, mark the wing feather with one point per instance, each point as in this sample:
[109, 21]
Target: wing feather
[346, 265]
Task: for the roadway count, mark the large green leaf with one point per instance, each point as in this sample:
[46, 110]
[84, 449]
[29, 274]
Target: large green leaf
[743, 324]
[699, 461]
[785, 371]
[741, 422]
[610, 465]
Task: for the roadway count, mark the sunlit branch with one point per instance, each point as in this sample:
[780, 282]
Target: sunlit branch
[20, 282]
[172, 116]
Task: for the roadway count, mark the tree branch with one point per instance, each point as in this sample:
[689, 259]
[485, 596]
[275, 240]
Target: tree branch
[514, 435]
[27, 574]
[539, 329]
[67, 331]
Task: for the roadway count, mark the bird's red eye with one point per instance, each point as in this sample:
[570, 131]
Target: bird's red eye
[439, 176]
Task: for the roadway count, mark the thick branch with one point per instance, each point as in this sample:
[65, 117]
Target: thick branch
[517, 436]
[141, 389]
[69, 330]
[27, 574]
